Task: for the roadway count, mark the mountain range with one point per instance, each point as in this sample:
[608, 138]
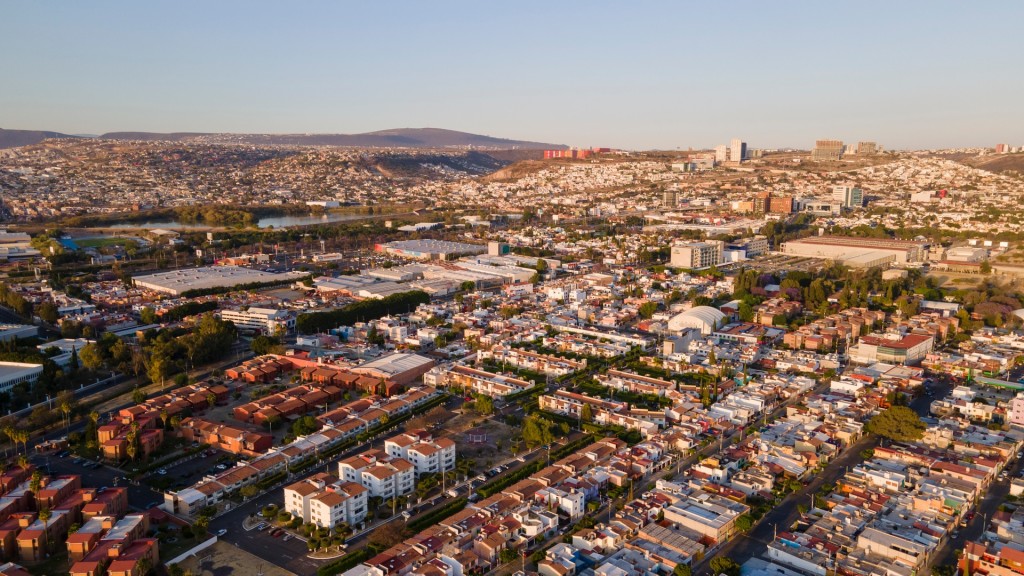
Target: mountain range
[401, 137]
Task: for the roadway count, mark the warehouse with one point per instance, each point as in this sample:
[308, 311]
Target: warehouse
[430, 249]
[861, 252]
[14, 373]
[176, 282]
[14, 331]
[400, 368]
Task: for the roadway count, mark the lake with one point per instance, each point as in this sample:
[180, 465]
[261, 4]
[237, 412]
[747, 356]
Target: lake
[265, 222]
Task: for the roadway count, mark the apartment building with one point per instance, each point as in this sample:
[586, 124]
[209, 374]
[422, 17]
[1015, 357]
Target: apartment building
[339, 503]
[384, 476]
[483, 382]
[427, 455]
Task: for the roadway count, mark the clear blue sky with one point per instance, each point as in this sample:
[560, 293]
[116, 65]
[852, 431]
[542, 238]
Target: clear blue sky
[909, 74]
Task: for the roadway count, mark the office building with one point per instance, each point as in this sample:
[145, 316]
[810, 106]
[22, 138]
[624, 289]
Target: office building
[737, 150]
[697, 255]
[265, 320]
[1002, 148]
[668, 198]
[848, 196]
[721, 154]
[827, 150]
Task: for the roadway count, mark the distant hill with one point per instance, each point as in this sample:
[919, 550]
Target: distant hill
[402, 137]
[15, 138]
[999, 162]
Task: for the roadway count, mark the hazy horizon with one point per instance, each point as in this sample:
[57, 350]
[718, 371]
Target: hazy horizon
[667, 76]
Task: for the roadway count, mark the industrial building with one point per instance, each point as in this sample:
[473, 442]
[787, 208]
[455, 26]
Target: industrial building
[703, 318]
[858, 252]
[14, 373]
[697, 255]
[430, 249]
[10, 332]
[176, 282]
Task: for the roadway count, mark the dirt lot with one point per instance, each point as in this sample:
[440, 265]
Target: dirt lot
[496, 448]
[223, 559]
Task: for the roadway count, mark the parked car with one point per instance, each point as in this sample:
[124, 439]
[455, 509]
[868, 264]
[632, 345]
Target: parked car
[162, 472]
[222, 531]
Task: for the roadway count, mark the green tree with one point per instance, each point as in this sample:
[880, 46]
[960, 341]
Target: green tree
[484, 404]
[266, 345]
[647, 309]
[986, 267]
[587, 413]
[682, 570]
[897, 423]
[147, 315]
[91, 356]
[47, 311]
[727, 566]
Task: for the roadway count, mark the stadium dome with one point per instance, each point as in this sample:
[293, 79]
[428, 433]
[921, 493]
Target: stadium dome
[703, 318]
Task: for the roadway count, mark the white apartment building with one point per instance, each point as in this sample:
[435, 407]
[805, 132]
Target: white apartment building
[382, 475]
[428, 456]
[266, 320]
[343, 502]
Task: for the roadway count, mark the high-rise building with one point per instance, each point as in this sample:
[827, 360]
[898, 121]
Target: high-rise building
[780, 204]
[848, 196]
[737, 150]
[1002, 148]
[697, 255]
[721, 154]
[827, 150]
[668, 199]
[867, 148]
[761, 201]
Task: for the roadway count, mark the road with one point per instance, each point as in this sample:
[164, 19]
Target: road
[140, 496]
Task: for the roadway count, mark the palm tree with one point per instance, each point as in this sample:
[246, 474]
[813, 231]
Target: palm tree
[164, 416]
[23, 437]
[23, 462]
[65, 403]
[211, 399]
[144, 565]
[8, 430]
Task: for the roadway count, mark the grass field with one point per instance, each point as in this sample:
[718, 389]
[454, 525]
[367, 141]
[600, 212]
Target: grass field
[104, 241]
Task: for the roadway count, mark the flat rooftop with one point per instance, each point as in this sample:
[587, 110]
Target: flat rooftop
[177, 281]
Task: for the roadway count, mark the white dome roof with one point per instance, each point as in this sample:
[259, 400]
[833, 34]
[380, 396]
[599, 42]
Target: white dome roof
[704, 317]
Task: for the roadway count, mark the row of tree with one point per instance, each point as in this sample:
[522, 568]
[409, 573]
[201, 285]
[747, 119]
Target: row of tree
[362, 311]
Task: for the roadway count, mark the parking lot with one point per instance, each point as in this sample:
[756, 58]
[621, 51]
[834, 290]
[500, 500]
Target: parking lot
[140, 497]
[185, 473]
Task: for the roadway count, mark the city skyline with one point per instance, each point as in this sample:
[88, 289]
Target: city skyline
[660, 76]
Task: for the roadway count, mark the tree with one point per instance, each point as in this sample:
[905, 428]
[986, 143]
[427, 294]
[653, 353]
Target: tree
[727, 566]
[66, 403]
[536, 431]
[647, 309]
[47, 311]
[484, 404]
[986, 267]
[744, 523]
[508, 555]
[200, 525]
[138, 396]
[682, 570]
[249, 491]
[158, 367]
[897, 423]
[266, 345]
[147, 315]
[587, 413]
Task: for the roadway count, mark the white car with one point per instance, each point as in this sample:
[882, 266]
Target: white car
[222, 531]
[162, 472]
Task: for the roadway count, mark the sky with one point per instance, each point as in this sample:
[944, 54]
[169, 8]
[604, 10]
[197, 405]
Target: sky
[634, 75]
